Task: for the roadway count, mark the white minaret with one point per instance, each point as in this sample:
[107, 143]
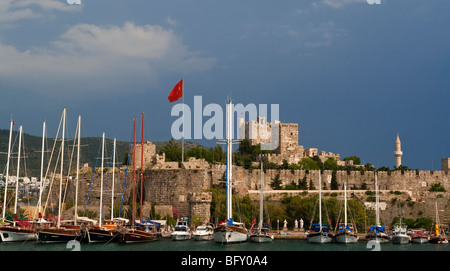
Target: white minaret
[398, 152]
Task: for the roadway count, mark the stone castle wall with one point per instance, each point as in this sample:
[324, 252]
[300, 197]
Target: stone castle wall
[184, 190]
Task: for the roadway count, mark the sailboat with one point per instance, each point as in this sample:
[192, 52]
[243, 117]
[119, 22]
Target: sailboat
[320, 233]
[104, 231]
[400, 235]
[20, 230]
[230, 231]
[62, 233]
[261, 234]
[437, 235]
[346, 232]
[377, 232]
[138, 232]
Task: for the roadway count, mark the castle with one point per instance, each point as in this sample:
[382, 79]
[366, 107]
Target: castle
[286, 137]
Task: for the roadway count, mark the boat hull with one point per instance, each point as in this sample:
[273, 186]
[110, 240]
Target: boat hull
[100, 235]
[262, 238]
[137, 236]
[438, 240]
[378, 239]
[346, 238]
[230, 234]
[203, 237]
[419, 240]
[401, 239]
[59, 235]
[17, 234]
[181, 237]
[319, 238]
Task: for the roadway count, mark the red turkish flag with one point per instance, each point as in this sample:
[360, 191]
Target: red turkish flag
[177, 92]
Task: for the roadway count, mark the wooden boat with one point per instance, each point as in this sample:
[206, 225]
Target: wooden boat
[230, 232]
[103, 233]
[20, 230]
[64, 231]
[346, 232]
[419, 236]
[319, 232]
[60, 234]
[136, 234]
[261, 234]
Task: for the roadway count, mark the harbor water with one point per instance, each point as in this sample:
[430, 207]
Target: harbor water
[165, 244]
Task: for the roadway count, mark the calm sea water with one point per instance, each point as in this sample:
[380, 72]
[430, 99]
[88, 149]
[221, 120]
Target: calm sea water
[191, 245]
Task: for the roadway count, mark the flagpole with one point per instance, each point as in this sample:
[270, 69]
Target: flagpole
[182, 138]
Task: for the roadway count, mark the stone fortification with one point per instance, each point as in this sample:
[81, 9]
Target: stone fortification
[182, 192]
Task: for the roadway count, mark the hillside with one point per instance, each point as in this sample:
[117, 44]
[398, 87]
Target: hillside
[90, 148]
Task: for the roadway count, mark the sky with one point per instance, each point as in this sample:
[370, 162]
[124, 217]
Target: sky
[351, 74]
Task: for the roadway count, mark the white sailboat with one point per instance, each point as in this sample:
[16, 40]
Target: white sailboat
[262, 233]
[19, 230]
[320, 233]
[377, 232]
[230, 231]
[346, 232]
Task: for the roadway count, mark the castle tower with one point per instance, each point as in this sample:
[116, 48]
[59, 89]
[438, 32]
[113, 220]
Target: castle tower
[398, 152]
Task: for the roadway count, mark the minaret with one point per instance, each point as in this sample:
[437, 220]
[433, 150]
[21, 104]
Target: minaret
[398, 152]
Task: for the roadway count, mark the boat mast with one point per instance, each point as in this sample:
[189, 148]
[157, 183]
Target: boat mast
[134, 169]
[42, 168]
[142, 162]
[61, 173]
[377, 222]
[101, 181]
[112, 189]
[320, 202]
[78, 170]
[18, 167]
[7, 167]
[261, 199]
[229, 160]
[345, 204]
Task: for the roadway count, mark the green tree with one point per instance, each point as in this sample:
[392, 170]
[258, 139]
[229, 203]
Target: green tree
[356, 160]
[276, 183]
[172, 151]
[330, 164]
[308, 164]
[302, 184]
[334, 184]
[437, 187]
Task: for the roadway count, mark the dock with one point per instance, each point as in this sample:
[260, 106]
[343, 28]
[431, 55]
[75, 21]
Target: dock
[301, 235]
